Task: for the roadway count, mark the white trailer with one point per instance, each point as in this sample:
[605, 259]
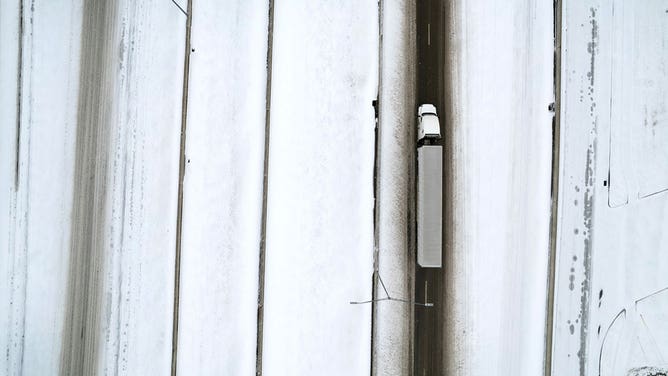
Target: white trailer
[429, 189]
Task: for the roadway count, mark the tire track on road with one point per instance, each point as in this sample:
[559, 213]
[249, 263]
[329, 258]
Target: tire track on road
[96, 92]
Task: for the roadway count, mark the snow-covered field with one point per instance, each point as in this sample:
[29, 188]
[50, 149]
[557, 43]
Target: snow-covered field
[36, 196]
[223, 188]
[319, 251]
[88, 225]
[91, 116]
[137, 253]
[498, 128]
[611, 302]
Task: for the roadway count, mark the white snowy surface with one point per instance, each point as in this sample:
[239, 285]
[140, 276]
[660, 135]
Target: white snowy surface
[9, 35]
[320, 196]
[136, 322]
[499, 131]
[396, 152]
[36, 205]
[130, 320]
[223, 188]
[611, 306]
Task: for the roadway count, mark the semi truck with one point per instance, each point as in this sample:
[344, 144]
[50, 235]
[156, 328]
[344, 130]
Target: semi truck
[429, 188]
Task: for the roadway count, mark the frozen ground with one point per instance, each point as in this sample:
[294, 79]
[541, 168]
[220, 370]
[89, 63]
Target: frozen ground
[223, 188]
[611, 301]
[320, 190]
[88, 225]
[89, 176]
[89, 216]
[36, 181]
[499, 131]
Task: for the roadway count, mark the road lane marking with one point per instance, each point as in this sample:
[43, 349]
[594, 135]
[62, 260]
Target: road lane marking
[428, 34]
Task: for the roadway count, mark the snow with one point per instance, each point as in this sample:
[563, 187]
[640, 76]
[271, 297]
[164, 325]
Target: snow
[223, 188]
[320, 190]
[9, 25]
[142, 180]
[46, 235]
[35, 219]
[499, 133]
[103, 198]
[611, 245]
[88, 210]
[393, 329]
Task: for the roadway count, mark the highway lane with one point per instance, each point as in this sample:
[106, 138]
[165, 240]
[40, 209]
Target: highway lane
[428, 331]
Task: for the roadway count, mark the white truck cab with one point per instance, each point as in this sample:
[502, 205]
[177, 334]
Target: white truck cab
[429, 189]
[428, 124]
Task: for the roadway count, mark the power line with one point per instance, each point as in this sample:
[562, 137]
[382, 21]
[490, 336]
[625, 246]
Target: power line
[181, 9]
[389, 298]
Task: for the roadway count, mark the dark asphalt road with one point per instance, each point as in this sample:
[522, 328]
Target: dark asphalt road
[429, 349]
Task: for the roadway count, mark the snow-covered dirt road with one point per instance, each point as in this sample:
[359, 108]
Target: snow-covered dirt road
[89, 166]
